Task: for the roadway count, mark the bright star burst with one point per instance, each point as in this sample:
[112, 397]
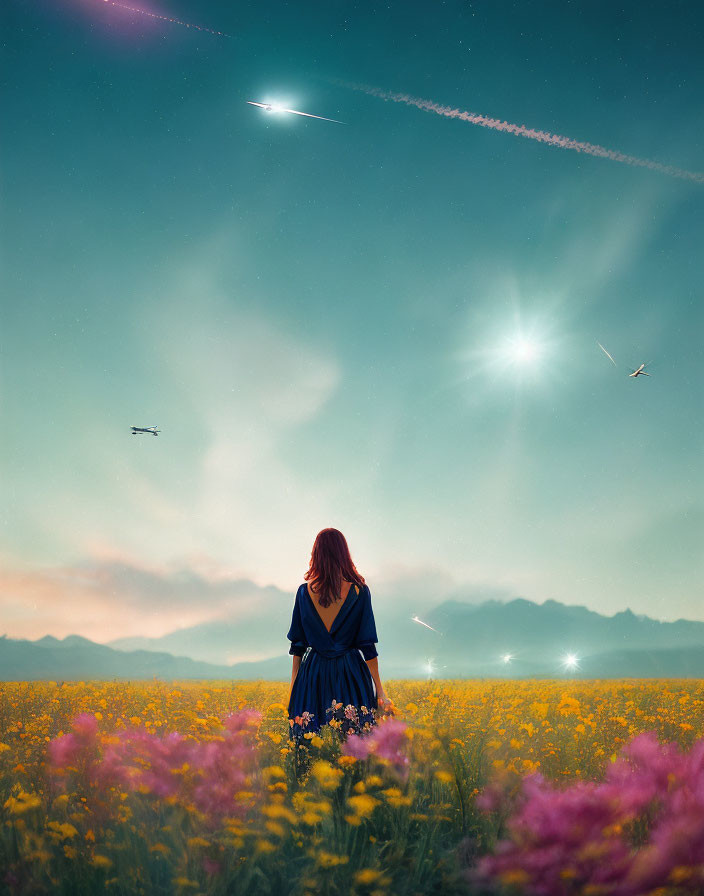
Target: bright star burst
[570, 661]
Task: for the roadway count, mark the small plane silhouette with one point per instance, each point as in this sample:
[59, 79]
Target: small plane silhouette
[270, 107]
[635, 373]
[152, 429]
[639, 371]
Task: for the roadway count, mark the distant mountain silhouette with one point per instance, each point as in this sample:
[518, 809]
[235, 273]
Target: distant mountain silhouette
[469, 641]
[78, 659]
[538, 636]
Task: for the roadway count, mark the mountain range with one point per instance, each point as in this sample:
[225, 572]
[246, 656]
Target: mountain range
[507, 639]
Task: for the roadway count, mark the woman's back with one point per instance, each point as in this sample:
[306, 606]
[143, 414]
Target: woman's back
[334, 633]
[328, 614]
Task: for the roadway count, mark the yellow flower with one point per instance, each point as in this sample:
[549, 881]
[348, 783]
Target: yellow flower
[367, 876]
[363, 804]
[444, 776]
[354, 820]
[197, 841]
[23, 802]
[327, 776]
[279, 787]
[3, 748]
[398, 801]
[160, 848]
[264, 846]
[273, 771]
[278, 811]
[101, 861]
[65, 830]
[329, 859]
[186, 882]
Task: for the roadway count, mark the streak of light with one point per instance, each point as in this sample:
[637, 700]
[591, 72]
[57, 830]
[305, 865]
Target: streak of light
[153, 15]
[606, 353]
[420, 622]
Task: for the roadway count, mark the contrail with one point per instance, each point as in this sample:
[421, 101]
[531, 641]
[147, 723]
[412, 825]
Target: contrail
[521, 130]
[153, 15]
[606, 353]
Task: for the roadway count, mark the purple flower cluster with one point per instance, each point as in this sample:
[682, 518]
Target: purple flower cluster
[639, 829]
[205, 774]
[388, 741]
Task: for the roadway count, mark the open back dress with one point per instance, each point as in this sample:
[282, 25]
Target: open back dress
[333, 681]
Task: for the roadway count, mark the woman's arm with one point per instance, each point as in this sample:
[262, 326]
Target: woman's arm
[373, 664]
[294, 673]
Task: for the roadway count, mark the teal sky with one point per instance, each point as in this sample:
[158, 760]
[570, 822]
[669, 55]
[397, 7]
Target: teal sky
[317, 315]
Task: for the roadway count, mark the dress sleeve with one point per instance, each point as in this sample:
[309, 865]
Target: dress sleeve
[366, 636]
[296, 634]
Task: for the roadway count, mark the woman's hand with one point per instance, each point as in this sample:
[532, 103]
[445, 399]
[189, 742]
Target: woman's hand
[385, 704]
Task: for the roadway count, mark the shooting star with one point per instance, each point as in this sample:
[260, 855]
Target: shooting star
[420, 622]
[153, 15]
[270, 107]
[606, 353]
[521, 130]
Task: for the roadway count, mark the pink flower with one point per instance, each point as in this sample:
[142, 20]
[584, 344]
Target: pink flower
[387, 741]
[211, 866]
[587, 827]
[205, 773]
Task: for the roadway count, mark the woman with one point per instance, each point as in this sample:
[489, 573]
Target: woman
[332, 629]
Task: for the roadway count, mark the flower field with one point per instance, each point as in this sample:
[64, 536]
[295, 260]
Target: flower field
[470, 787]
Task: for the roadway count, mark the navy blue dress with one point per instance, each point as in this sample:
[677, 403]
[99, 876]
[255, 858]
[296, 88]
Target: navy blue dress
[333, 670]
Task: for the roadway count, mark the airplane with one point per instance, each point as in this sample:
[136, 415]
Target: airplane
[152, 429]
[269, 107]
[640, 371]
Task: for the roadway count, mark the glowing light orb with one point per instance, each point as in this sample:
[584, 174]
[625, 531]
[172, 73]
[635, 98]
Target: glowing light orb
[523, 350]
[506, 658]
[429, 667]
[570, 661]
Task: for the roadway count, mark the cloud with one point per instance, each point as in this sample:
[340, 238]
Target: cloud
[116, 598]
[106, 600]
[230, 387]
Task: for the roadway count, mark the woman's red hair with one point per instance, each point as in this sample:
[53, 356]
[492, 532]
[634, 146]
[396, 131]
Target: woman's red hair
[330, 564]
